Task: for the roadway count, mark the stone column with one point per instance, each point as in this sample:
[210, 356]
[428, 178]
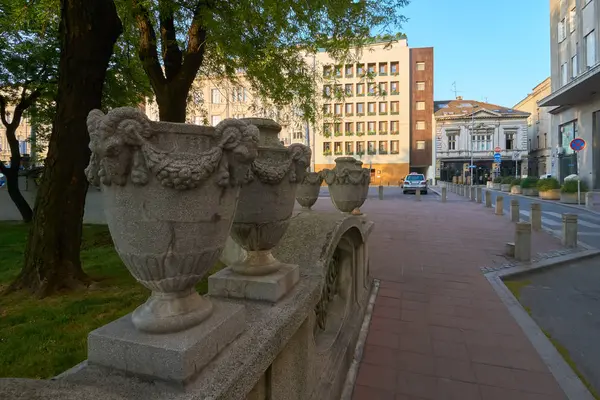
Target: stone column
[418, 195]
[479, 193]
[443, 195]
[589, 200]
[535, 216]
[499, 205]
[514, 210]
[523, 241]
[472, 197]
[569, 230]
[488, 199]
[380, 192]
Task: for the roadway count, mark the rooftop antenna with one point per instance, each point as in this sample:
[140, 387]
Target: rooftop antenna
[456, 91]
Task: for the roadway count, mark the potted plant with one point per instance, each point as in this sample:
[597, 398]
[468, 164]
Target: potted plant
[528, 186]
[568, 192]
[496, 183]
[515, 186]
[549, 189]
[506, 183]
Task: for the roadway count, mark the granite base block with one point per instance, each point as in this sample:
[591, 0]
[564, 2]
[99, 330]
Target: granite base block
[174, 357]
[272, 287]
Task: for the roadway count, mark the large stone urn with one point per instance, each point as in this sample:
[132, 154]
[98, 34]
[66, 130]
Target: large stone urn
[267, 198]
[348, 184]
[307, 192]
[170, 193]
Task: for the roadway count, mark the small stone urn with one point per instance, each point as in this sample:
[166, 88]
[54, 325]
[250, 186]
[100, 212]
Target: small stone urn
[267, 198]
[348, 184]
[308, 190]
[170, 193]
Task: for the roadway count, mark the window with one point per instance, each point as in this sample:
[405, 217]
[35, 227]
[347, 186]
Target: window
[349, 110]
[394, 87]
[545, 138]
[537, 141]
[337, 148]
[348, 89]
[572, 19]
[482, 141]
[382, 68]
[574, 66]
[349, 148]
[215, 96]
[338, 71]
[395, 107]
[371, 108]
[420, 105]
[383, 147]
[360, 148]
[562, 31]
[383, 88]
[510, 140]
[394, 67]
[337, 128]
[327, 91]
[298, 135]
[348, 127]
[327, 70]
[452, 141]
[360, 69]
[371, 147]
[327, 130]
[568, 132]
[360, 127]
[326, 109]
[327, 148]
[360, 108]
[371, 126]
[563, 74]
[394, 147]
[590, 49]
[420, 125]
[215, 119]
[394, 127]
[420, 85]
[420, 145]
[420, 66]
[238, 95]
[338, 109]
[360, 89]
[383, 107]
[371, 68]
[371, 89]
[382, 126]
[349, 71]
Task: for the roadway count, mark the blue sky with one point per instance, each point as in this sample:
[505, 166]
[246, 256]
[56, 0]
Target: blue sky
[497, 50]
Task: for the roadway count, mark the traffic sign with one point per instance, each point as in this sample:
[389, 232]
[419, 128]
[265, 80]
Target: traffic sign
[472, 166]
[577, 144]
[497, 157]
[497, 149]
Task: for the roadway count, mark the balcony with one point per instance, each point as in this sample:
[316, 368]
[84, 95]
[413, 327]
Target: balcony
[360, 133]
[326, 152]
[579, 90]
[339, 153]
[349, 133]
[382, 132]
[371, 133]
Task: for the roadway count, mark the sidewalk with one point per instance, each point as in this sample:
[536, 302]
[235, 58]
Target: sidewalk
[438, 329]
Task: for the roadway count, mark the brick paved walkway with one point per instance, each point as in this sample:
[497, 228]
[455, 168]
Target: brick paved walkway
[438, 329]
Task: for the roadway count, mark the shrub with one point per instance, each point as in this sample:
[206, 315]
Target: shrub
[497, 180]
[570, 186]
[546, 184]
[516, 182]
[507, 180]
[529, 182]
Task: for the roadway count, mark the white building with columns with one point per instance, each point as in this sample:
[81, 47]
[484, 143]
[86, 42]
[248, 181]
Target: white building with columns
[468, 132]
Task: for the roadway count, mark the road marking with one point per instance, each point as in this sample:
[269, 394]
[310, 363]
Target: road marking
[580, 219]
[545, 221]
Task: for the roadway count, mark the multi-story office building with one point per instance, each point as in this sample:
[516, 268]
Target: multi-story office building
[541, 142]
[377, 107]
[469, 132]
[575, 97]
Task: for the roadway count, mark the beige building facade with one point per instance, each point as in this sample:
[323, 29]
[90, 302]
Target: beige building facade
[540, 140]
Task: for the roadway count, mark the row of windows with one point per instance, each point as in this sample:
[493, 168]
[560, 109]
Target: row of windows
[372, 147]
[371, 108]
[372, 128]
[374, 68]
[482, 142]
[372, 89]
[562, 24]
[218, 96]
[590, 59]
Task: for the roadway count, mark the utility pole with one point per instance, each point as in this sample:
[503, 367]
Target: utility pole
[471, 169]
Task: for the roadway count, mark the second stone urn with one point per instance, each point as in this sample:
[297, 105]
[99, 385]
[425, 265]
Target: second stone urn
[267, 198]
[348, 184]
[308, 190]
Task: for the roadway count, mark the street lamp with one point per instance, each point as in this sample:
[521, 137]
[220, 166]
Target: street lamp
[472, 133]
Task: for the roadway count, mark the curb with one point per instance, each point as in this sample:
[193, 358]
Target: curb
[566, 378]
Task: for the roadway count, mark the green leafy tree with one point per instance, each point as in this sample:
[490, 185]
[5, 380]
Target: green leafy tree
[269, 41]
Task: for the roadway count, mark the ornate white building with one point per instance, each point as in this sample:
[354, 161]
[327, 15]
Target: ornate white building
[471, 130]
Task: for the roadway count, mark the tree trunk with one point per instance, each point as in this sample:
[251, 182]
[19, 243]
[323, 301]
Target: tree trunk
[12, 185]
[172, 104]
[88, 32]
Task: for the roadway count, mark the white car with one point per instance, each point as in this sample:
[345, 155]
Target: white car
[414, 182]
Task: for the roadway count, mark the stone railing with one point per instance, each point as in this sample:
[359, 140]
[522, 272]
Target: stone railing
[281, 321]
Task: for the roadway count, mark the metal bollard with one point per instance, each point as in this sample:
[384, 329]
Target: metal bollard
[589, 200]
[535, 216]
[488, 199]
[443, 195]
[569, 230]
[514, 210]
[499, 205]
[479, 194]
[418, 195]
[523, 241]
[472, 196]
[380, 192]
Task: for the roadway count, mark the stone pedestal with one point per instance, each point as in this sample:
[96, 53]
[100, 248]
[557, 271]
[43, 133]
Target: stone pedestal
[488, 199]
[272, 287]
[380, 192]
[523, 241]
[472, 195]
[443, 195]
[569, 230]
[418, 195]
[535, 216]
[479, 194]
[589, 200]
[514, 210]
[499, 205]
[174, 357]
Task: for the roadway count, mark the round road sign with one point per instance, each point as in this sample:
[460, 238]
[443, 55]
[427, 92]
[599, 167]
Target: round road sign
[497, 149]
[577, 144]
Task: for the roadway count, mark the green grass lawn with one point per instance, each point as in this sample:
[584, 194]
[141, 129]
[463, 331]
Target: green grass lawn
[42, 338]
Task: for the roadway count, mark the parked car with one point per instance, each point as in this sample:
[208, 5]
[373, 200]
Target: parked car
[414, 182]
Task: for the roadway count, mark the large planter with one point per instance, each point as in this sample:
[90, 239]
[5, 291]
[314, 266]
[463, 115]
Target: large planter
[571, 198]
[267, 198]
[516, 189]
[348, 184]
[552, 194]
[308, 190]
[530, 191]
[496, 186]
[170, 193]
[505, 187]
